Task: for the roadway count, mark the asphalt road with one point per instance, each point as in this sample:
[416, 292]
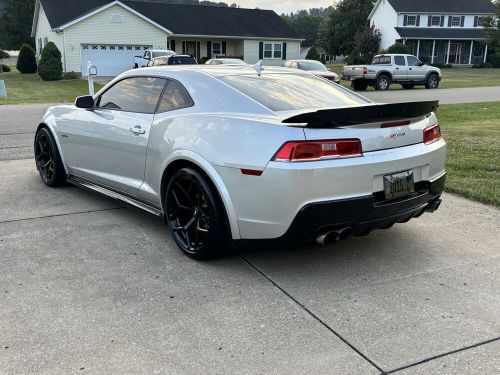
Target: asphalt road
[88, 285]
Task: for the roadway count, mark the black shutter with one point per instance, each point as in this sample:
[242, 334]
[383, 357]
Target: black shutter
[172, 45]
[418, 20]
[224, 48]
[449, 21]
[261, 50]
[405, 20]
[442, 21]
[476, 19]
[198, 50]
[429, 19]
[462, 21]
[183, 48]
[284, 52]
[209, 49]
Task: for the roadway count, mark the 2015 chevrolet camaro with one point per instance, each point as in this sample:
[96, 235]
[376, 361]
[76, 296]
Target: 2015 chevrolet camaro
[231, 154]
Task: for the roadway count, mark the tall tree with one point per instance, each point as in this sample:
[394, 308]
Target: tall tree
[347, 18]
[492, 30]
[366, 43]
[307, 22]
[16, 19]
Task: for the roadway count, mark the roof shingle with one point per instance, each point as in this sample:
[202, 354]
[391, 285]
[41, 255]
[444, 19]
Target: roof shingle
[443, 6]
[439, 33]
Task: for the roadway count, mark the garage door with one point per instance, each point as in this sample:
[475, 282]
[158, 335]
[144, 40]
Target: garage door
[110, 60]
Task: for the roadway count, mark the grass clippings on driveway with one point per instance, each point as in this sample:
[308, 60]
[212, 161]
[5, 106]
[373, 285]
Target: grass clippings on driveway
[472, 132]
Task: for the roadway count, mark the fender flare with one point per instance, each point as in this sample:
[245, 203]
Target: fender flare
[429, 73]
[56, 139]
[209, 170]
[385, 72]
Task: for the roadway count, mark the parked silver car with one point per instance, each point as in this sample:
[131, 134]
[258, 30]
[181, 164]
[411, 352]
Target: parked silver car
[314, 67]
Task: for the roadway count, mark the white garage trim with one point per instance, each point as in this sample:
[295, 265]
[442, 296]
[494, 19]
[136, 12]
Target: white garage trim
[110, 59]
[98, 10]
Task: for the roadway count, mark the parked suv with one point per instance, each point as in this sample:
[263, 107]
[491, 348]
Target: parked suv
[150, 54]
[313, 66]
[384, 70]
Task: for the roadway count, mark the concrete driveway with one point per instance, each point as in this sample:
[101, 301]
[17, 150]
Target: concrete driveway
[88, 285]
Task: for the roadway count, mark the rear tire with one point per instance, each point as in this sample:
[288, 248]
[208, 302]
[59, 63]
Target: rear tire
[359, 85]
[432, 82]
[48, 160]
[408, 86]
[195, 215]
[383, 83]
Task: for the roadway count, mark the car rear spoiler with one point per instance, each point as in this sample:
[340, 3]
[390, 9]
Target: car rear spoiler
[340, 117]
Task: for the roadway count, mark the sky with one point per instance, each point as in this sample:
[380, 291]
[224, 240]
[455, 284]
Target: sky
[280, 6]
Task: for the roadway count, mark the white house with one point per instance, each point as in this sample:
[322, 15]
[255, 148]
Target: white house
[437, 31]
[110, 33]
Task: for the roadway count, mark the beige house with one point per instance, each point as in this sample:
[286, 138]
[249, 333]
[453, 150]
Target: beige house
[110, 33]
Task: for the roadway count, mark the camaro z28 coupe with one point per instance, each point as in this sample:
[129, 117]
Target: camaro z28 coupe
[233, 154]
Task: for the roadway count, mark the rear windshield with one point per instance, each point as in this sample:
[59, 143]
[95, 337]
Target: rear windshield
[288, 92]
[182, 61]
[380, 60]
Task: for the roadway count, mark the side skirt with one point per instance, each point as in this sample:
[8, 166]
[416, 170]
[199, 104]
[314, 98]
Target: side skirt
[88, 185]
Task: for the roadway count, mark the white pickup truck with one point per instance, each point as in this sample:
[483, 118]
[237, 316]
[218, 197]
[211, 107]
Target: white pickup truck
[150, 54]
[384, 70]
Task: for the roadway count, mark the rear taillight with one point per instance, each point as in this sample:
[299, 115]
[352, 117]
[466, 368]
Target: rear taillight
[365, 70]
[317, 150]
[432, 134]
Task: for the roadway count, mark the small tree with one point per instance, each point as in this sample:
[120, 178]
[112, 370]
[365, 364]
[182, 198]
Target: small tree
[366, 42]
[398, 48]
[313, 54]
[50, 65]
[26, 62]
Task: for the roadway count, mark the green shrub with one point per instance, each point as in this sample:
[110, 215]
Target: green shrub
[397, 48]
[5, 68]
[494, 60]
[442, 66]
[356, 59]
[26, 62]
[313, 54]
[3, 54]
[50, 65]
[71, 75]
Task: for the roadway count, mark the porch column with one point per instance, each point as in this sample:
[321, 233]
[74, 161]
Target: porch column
[433, 49]
[418, 48]
[448, 53]
[470, 54]
[485, 53]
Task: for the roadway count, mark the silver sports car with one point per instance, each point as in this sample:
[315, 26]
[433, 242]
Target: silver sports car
[234, 154]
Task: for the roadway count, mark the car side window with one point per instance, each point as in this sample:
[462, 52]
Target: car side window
[174, 97]
[413, 61]
[137, 94]
[147, 55]
[399, 60]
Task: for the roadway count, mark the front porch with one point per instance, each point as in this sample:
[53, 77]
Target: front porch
[454, 52]
[207, 49]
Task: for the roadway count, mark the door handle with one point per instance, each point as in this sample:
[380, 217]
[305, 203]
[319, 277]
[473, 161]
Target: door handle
[397, 68]
[137, 130]
[411, 68]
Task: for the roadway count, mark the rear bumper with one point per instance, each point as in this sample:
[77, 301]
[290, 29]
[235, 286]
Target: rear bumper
[362, 214]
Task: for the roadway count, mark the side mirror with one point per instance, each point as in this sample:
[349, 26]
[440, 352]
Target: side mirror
[85, 102]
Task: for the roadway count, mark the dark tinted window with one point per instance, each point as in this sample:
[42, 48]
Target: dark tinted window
[182, 61]
[175, 97]
[399, 60]
[381, 60]
[138, 94]
[413, 61]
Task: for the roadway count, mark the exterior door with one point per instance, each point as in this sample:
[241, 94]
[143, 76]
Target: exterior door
[400, 72]
[191, 49]
[454, 56]
[110, 141]
[416, 72]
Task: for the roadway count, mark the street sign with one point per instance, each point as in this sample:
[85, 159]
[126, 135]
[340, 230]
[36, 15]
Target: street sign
[3, 90]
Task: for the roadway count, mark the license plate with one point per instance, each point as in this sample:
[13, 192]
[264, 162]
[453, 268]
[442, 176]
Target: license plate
[398, 184]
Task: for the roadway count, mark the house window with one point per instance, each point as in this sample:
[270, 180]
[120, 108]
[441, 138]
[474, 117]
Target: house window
[412, 21]
[435, 20]
[216, 48]
[456, 21]
[272, 50]
[116, 18]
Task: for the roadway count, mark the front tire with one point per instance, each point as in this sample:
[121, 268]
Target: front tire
[383, 83]
[359, 85]
[195, 215]
[48, 160]
[432, 82]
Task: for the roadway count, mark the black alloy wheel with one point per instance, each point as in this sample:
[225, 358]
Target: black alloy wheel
[195, 215]
[48, 160]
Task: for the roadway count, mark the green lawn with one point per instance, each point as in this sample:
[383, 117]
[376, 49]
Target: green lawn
[472, 132]
[29, 88]
[452, 78]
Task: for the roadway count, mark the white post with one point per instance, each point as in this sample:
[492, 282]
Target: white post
[90, 78]
[485, 53]
[448, 53]
[470, 53]
[433, 49]
[3, 89]
[418, 48]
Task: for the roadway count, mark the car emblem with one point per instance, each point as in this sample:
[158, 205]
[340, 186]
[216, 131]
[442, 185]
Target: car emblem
[397, 135]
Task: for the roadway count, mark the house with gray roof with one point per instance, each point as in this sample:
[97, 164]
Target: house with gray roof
[110, 33]
[437, 31]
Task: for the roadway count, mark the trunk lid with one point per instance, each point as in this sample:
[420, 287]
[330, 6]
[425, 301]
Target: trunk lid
[377, 126]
